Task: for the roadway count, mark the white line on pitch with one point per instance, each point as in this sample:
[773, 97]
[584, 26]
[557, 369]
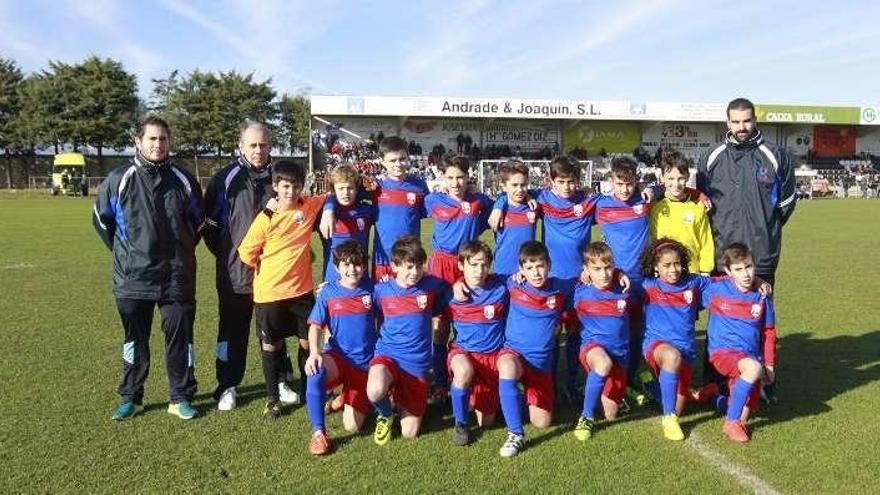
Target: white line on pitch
[17, 266]
[742, 474]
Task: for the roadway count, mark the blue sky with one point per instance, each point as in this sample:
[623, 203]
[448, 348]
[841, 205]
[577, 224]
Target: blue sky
[797, 52]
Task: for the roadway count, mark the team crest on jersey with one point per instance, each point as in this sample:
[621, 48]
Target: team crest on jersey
[638, 209]
[578, 210]
[361, 224]
[763, 174]
[411, 198]
[530, 215]
[299, 218]
[688, 296]
[367, 300]
[465, 207]
[688, 217]
[621, 305]
[422, 301]
[756, 310]
[489, 312]
[551, 302]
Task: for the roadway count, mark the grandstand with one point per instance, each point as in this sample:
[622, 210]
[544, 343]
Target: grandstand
[840, 145]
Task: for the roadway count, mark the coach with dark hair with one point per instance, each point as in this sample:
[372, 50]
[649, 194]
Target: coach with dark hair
[148, 212]
[752, 187]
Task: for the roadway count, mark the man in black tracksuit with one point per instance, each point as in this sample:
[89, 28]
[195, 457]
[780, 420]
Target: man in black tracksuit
[234, 197]
[148, 212]
[752, 187]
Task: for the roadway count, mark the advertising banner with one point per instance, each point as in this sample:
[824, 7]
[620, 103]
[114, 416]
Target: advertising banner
[801, 114]
[799, 140]
[690, 139]
[527, 135]
[613, 137]
[868, 141]
[870, 116]
[362, 126]
[831, 141]
[430, 132]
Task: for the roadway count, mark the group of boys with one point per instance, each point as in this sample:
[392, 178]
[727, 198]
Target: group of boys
[389, 334]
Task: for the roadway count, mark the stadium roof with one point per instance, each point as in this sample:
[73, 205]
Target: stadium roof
[429, 106]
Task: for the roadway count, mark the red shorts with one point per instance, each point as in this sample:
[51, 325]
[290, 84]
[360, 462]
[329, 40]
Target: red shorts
[726, 361]
[615, 383]
[409, 392]
[484, 387]
[538, 385]
[353, 381]
[444, 266]
[380, 271]
[685, 372]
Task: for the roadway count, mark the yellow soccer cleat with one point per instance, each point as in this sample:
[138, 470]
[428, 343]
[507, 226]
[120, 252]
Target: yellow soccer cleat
[671, 428]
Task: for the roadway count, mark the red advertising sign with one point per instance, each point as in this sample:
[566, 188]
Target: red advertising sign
[833, 141]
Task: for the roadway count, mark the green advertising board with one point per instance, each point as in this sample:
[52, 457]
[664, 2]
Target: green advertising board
[613, 137]
[802, 114]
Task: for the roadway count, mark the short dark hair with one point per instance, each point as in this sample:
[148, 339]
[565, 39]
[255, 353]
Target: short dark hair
[740, 104]
[288, 170]
[460, 162]
[598, 251]
[472, 248]
[674, 159]
[513, 167]
[408, 249]
[565, 166]
[351, 251]
[391, 144]
[624, 167]
[533, 251]
[736, 252]
[152, 120]
[653, 251]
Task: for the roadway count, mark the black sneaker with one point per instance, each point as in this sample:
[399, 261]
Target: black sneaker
[460, 435]
[272, 411]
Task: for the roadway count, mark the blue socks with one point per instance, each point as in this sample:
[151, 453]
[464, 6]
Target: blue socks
[383, 407]
[738, 398]
[438, 358]
[592, 393]
[316, 396]
[511, 405]
[668, 391]
[460, 405]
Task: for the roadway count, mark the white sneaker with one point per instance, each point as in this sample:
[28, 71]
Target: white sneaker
[287, 395]
[227, 400]
[512, 445]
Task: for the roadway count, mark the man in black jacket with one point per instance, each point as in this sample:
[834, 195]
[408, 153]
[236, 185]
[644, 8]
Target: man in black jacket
[148, 212]
[234, 197]
[752, 187]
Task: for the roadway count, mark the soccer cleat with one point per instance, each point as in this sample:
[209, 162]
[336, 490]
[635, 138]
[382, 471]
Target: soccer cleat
[438, 396]
[735, 431]
[671, 428]
[513, 445]
[460, 435]
[637, 396]
[124, 411]
[319, 443]
[382, 434]
[583, 430]
[227, 400]
[272, 411]
[287, 395]
[769, 395]
[182, 410]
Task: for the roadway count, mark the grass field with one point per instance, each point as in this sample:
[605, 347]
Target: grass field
[60, 363]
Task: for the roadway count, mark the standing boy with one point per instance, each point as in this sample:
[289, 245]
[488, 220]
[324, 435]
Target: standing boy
[518, 222]
[353, 218]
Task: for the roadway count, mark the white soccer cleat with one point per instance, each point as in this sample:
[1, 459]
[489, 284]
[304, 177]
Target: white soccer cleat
[287, 395]
[513, 445]
[227, 400]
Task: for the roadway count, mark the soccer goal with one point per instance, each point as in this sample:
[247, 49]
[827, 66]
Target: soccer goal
[489, 175]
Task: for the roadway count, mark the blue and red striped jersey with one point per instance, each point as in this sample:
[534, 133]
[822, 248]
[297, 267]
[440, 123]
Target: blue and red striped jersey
[625, 227]
[604, 316]
[671, 311]
[400, 207]
[350, 316]
[518, 226]
[352, 222]
[405, 334]
[742, 321]
[456, 222]
[532, 319]
[480, 321]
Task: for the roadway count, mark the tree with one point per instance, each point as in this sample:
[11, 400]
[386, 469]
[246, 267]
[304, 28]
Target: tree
[293, 117]
[34, 125]
[10, 80]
